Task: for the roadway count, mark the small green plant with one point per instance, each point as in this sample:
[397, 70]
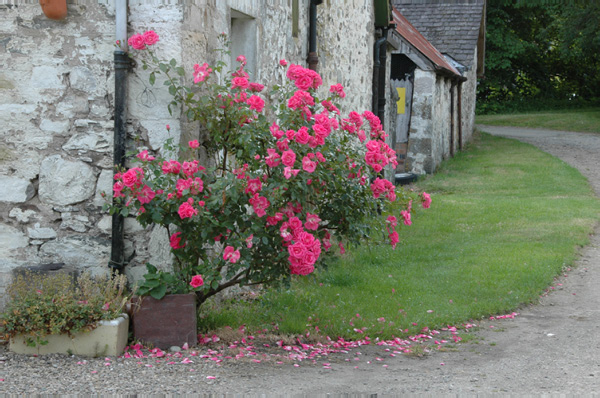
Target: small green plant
[41, 304]
[159, 283]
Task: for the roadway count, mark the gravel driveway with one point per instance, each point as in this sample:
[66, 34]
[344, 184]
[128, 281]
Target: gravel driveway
[553, 347]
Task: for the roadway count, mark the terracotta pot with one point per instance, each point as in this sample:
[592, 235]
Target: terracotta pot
[167, 322]
[54, 9]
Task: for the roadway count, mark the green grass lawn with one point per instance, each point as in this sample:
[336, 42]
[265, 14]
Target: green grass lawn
[506, 218]
[583, 120]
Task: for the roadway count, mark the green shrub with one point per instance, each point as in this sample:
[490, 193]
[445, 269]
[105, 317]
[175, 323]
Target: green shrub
[42, 304]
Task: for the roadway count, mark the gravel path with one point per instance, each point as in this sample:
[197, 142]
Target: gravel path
[553, 347]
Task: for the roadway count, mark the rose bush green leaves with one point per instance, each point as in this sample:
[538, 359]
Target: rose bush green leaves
[280, 183]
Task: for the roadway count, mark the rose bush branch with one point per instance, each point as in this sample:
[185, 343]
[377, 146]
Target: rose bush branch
[284, 184]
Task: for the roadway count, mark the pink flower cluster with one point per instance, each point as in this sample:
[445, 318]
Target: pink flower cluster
[133, 179]
[379, 155]
[384, 187]
[392, 222]
[140, 41]
[231, 254]
[304, 78]
[260, 204]
[201, 73]
[175, 241]
[337, 89]
[426, 200]
[303, 249]
[241, 83]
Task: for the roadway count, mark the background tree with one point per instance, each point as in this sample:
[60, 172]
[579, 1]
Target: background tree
[542, 50]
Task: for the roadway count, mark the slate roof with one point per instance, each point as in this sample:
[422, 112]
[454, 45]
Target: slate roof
[452, 26]
[416, 39]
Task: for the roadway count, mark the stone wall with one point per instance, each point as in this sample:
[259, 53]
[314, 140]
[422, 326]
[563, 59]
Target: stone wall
[430, 124]
[56, 84]
[469, 96]
[57, 101]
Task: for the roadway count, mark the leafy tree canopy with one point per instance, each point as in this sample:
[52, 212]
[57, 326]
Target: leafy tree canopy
[541, 49]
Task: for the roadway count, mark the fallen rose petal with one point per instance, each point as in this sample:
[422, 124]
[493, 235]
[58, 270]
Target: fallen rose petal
[211, 377]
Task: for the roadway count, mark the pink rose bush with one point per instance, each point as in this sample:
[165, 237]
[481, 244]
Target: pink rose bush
[279, 194]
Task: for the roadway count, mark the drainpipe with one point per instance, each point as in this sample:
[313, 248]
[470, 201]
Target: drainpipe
[313, 59]
[122, 64]
[452, 124]
[382, 78]
[377, 73]
[459, 111]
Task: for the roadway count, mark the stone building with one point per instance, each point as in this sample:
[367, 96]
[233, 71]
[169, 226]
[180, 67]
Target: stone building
[457, 29]
[66, 92]
[424, 124]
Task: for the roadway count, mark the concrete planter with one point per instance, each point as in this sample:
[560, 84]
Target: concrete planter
[109, 338]
[164, 323]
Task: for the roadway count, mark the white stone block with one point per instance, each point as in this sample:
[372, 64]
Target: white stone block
[105, 224]
[105, 184]
[78, 252]
[89, 141]
[11, 239]
[83, 79]
[20, 215]
[60, 127]
[64, 182]
[15, 190]
[46, 77]
[38, 232]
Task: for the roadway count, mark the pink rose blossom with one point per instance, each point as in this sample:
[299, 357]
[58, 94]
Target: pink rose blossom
[145, 195]
[426, 200]
[171, 167]
[302, 136]
[254, 186]
[194, 144]
[249, 241]
[150, 37]
[117, 188]
[132, 178]
[394, 239]
[283, 62]
[288, 172]
[240, 82]
[231, 255]
[338, 89]
[406, 215]
[308, 165]
[175, 241]
[186, 210]
[144, 156]
[241, 59]
[256, 103]
[137, 42]
[201, 72]
[393, 221]
[288, 158]
[196, 281]
[312, 221]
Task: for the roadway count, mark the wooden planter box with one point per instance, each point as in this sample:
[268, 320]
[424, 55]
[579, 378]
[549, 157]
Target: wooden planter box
[167, 322]
[109, 338]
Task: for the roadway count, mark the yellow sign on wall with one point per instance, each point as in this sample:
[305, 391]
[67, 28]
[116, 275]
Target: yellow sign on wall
[401, 104]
